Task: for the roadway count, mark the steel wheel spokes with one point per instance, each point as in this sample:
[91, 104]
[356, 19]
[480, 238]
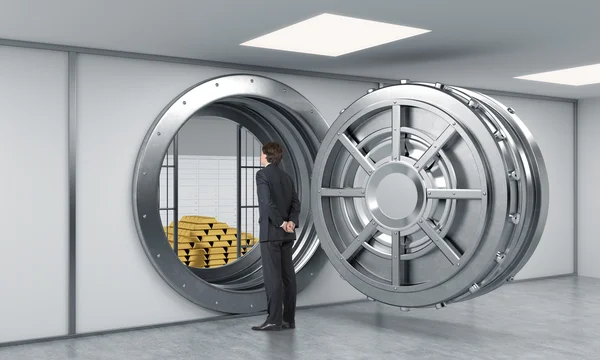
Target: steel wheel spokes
[433, 150]
[399, 266]
[363, 161]
[357, 245]
[449, 251]
[398, 118]
[465, 194]
[345, 192]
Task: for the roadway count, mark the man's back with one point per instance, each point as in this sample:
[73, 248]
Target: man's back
[279, 209]
[278, 202]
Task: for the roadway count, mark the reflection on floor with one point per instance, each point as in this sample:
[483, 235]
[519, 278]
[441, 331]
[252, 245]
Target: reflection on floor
[203, 242]
[547, 319]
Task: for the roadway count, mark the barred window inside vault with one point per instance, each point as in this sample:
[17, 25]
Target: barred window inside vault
[208, 202]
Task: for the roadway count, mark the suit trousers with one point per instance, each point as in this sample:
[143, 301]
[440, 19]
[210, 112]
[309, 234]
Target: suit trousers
[280, 280]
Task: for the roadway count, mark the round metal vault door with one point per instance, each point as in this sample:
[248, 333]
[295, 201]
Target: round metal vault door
[425, 194]
[272, 111]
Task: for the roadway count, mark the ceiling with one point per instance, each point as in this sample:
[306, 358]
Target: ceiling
[475, 43]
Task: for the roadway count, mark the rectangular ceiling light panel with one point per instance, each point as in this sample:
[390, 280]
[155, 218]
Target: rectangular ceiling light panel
[333, 35]
[577, 76]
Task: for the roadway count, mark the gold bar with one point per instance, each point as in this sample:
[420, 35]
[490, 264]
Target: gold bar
[220, 226]
[198, 251]
[218, 250]
[197, 258]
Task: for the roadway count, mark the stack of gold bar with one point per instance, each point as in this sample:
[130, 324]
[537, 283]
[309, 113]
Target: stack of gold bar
[202, 241]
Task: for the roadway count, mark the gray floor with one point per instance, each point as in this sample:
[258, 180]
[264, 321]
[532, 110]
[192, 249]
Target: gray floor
[546, 319]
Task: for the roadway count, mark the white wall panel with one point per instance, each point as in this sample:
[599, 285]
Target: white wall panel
[118, 99]
[33, 194]
[588, 186]
[552, 126]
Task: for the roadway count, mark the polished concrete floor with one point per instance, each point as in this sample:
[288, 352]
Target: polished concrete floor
[546, 319]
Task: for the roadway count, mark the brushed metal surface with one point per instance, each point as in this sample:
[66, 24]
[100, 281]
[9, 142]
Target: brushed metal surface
[416, 195]
[271, 111]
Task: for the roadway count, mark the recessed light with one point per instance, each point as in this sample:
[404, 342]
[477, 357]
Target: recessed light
[577, 76]
[333, 35]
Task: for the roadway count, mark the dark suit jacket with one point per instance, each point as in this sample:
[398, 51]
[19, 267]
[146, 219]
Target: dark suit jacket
[277, 202]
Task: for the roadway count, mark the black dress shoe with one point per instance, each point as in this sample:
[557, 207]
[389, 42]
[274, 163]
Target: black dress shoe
[267, 327]
[287, 325]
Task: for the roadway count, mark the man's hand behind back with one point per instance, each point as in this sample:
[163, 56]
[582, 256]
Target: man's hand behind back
[290, 226]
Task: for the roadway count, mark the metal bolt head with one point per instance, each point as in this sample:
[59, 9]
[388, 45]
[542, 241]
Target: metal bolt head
[158, 255]
[216, 302]
[312, 111]
[183, 285]
[312, 274]
[484, 193]
[429, 193]
[395, 257]
[217, 84]
[144, 173]
[144, 216]
[395, 288]
[158, 133]
[341, 111]
[251, 80]
[184, 103]
[251, 305]
[510, 110]
[370, 91]
[395, 233]
[421, 220]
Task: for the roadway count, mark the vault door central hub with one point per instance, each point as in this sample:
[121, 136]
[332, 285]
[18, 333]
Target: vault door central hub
[395, 195]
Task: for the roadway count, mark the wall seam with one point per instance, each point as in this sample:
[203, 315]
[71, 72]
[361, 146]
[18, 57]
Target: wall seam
[575, 188]
[72, 176]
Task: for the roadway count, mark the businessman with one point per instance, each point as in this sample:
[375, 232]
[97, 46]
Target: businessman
[279, 209]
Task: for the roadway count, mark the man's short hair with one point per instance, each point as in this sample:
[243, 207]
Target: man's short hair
[273, 151]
